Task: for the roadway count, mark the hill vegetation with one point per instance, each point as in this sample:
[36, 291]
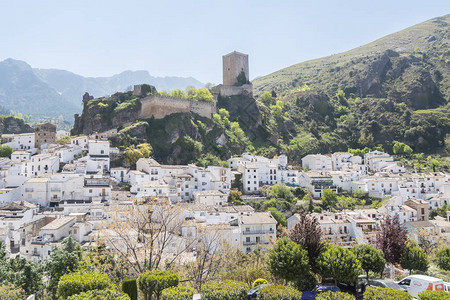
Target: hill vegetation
[394, 89]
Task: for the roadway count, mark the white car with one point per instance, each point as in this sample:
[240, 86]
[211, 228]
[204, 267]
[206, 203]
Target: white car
[416, 284]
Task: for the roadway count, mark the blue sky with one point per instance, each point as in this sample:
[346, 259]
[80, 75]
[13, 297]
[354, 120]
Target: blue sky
[188, 38]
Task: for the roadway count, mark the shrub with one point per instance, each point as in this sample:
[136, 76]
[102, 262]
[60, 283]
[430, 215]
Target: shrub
[335, 296]
[108, 294]
[177, 293]
[376, 293]
[259, 281]
[129, 287]
[75, 283]
[9, 292]
[224, 290]
[279, 292]
[443, 259]
[434, 295]
[154, 282]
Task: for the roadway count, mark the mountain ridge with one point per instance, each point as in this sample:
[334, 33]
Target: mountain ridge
[53, 92]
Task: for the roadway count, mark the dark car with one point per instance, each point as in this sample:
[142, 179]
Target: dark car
[320, 288]
[253, 293]
[356, 289]
[385, 284]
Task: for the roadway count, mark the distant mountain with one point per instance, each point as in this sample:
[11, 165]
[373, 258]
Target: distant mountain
[21, 90]
[72, 86]
[51, 93]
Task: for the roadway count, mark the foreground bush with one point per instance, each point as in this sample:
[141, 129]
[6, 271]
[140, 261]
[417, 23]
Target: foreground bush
[224, 290]
[129, 287]
[107, 294]
[75, 283]
[177, 293]
[154, 282]
[434, 295]
[377, 293]
[259, 281]
[335, 296]
[279, 292]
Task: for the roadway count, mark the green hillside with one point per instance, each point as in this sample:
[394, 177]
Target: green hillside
[394, 89]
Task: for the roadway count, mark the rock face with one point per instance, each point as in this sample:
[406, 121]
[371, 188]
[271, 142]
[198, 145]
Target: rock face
[95, 118]
[9, 125]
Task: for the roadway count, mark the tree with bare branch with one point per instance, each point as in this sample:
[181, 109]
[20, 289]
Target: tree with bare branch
[147, 235]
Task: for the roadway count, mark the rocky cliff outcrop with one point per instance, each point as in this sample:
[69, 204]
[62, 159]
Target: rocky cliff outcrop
[10, 125]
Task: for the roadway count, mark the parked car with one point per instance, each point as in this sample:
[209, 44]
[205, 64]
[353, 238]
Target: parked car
[356, 289]
[253, 293]
[320, 288]
[415, 284]
[385, 284]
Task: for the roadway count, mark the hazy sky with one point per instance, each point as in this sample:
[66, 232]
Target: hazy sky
[188, 38]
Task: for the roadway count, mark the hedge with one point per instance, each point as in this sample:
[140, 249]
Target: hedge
[129, 287]
[259, 281]
[75, 283]
[434, 295]
[107, 294]
[224, 290]
[376, 293]
[177, 293]
[154, 282]
[330, 295]
[279, 292]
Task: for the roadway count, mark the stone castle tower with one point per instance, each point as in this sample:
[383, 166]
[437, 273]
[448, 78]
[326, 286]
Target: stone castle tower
[233, 64]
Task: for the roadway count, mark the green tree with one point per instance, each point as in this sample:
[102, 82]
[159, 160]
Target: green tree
[279, 292]
[104, 294]
[414, 258]
[178, 94]
[278, 215]
[434, 295]
[241, 79]
[402, 149]
[203, 94]
[329, 199]
[63, 140]
[129, 287]
[190, 91]
[224, 290]
[22, 273]
[79, 282]
[266, 98]
[132, 154]
[287, 260]
[177, 293]
[5, 151]
[334, 296]
[340, 264]
[371, 258]
[443, 258]
[63, 261]
[155, 281]
[377, 293]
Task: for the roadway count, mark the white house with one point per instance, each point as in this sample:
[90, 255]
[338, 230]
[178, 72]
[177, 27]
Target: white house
[317, 162]
[213, 197]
